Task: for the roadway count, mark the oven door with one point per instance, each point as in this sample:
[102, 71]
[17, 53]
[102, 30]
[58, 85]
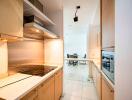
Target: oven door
[108, 64]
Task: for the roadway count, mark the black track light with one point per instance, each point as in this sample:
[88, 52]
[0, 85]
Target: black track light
[77, 7]
[76, 17]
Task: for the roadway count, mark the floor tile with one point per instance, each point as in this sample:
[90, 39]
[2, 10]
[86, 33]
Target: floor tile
[66, 97]
[77, 85]
[89, 92]
[76, 98]
[70, 97]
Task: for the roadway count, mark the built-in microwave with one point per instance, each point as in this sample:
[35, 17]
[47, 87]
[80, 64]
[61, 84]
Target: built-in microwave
[108, 65]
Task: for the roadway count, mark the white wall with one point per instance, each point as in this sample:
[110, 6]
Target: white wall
[75, 33]
[75, 43]
[123, 59]
[3, 58]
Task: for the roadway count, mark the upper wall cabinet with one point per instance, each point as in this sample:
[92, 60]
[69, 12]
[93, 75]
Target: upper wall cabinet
[11, 18]
[108, 23]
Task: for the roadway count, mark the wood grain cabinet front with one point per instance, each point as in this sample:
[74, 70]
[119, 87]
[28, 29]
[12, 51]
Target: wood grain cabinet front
[51, 89]
[58, 84]
[46, 91]
[108, 23]
[96, 76]
[98, 84]
[11, 18]
[31, 95]
[107, 91]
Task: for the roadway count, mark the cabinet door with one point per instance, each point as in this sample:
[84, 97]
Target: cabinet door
[94, 41]
[107, 91]
[108, 23]
[11, 17]
[46, 91]
[58, 84]
[97, 80]
[98, 84]
[31, 96]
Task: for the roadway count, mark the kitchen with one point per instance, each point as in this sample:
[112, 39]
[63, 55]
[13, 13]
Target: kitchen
[32, 50]
[31, 65]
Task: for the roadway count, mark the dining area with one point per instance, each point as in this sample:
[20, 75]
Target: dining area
[75, 59]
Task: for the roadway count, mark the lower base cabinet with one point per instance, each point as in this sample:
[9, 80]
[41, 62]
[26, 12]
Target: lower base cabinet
[98, 84]
[46, 91]
[51, 89]
[107, 91]
[31, 95]
[96, 76]
[58, 84]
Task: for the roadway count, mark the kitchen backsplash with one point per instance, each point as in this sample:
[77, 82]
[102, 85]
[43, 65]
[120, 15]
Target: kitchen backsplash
[26, 52]
[53, 52]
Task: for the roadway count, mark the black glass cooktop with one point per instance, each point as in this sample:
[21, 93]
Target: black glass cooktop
[39, 70]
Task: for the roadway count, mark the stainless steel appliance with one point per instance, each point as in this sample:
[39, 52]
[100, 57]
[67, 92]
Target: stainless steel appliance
[34, 28]
[108, 64]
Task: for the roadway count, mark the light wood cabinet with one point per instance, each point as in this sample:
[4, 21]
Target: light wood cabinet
[108, 23]
[107, 91]
[94, 71]
[94, 36]
[11, 17]
[46, 91]
[51, 89]
[31, 96]
[96, 75]
[94, 41]
[98, 84]
[58, 84]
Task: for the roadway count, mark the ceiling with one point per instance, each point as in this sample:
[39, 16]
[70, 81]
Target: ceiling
[85, 15]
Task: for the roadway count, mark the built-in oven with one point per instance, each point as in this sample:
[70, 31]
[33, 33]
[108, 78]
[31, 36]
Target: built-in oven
[108, 64]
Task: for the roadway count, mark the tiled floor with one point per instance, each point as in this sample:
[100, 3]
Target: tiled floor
[76, 84]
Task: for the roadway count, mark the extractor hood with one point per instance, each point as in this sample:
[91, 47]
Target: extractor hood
[35, 31]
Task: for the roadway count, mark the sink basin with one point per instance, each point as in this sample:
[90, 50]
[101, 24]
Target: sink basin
[39, 70]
